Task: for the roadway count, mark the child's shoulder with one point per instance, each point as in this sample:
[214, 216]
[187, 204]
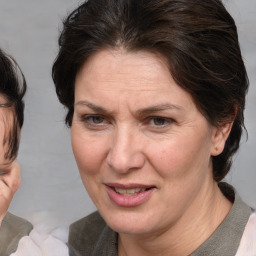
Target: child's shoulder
[13, 228]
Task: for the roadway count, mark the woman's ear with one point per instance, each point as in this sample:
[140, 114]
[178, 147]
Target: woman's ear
[219, 136]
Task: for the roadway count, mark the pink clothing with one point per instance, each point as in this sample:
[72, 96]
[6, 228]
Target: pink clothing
[247, 245]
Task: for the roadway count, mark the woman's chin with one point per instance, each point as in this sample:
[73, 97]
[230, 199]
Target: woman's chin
[132, 224]
[129, 229]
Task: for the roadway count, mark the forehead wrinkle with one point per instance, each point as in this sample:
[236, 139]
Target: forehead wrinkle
[126, 80]
[125, 86]
[123, 68]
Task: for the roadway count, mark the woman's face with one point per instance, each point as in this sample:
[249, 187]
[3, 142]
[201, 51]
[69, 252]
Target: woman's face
[142, 147]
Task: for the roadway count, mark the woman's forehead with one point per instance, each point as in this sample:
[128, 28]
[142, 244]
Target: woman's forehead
[108, 62]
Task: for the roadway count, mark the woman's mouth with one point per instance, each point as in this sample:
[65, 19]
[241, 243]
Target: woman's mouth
[129, 195]
[129, 192]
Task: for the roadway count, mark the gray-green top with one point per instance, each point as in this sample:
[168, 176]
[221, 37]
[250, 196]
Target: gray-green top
[13, 228]
[91, 236]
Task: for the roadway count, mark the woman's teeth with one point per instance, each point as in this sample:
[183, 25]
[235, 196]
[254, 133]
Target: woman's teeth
[129, 192]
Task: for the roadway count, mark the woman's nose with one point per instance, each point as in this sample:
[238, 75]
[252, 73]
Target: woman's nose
[125, 153]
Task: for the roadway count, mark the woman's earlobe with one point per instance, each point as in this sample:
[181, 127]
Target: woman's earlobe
[219, 138]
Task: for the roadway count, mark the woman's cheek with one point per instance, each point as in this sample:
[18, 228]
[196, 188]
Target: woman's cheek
[88, 152]
[167, 158]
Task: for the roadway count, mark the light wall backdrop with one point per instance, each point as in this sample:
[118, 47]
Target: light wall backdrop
[50, 180]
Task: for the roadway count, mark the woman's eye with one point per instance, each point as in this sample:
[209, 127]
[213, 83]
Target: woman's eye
[94, 120]
[160, 121]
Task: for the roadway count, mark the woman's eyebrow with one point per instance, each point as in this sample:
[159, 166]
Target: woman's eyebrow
[139, 112]
[157, 108]
[92, 106]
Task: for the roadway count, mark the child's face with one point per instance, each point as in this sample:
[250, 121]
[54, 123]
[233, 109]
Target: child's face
[9, 169]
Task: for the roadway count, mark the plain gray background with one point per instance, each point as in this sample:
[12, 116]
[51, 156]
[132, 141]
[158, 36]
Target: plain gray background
[50, 180]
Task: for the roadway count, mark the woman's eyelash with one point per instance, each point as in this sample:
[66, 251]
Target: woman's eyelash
[93, 120]
[159, 121]
[97, 121]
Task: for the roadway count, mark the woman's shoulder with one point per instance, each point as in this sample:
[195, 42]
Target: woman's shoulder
[90, 236]
[13, 228]
[91, 223]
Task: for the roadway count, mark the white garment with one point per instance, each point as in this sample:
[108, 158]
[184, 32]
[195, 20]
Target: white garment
[247, 245]
[46, 239]
[38, 244]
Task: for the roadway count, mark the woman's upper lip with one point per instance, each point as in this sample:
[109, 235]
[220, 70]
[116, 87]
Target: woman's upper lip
[129, 185]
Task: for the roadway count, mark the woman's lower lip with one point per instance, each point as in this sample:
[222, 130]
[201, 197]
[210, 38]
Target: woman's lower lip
[131, 200]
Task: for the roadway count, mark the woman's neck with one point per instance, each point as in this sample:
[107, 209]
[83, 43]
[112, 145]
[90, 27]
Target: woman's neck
[199, 222]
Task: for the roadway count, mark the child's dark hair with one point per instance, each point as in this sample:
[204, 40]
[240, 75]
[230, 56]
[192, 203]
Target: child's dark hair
[12, 89]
